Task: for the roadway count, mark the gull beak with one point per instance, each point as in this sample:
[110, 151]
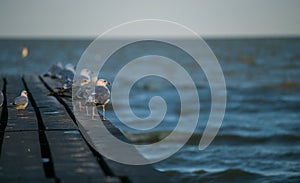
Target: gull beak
[109, 83]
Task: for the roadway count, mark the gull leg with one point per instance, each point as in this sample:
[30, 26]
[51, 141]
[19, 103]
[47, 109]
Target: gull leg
[87, 110]
[93, 112]
[80, 106]
[103, 112]
[75, 106]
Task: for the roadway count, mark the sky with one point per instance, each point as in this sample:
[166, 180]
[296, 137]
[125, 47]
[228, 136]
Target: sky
[211, 18]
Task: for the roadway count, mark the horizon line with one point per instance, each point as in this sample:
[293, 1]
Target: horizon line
[258, 36]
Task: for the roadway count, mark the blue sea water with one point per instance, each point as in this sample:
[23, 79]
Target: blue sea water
[259, 140]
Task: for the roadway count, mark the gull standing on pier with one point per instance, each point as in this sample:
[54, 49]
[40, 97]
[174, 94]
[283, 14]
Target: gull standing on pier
[85, 93]
[83, 85]
[21, 102]
[67, 74]
[85, 74]
[54, 70]
[66, 77]
[102, 94]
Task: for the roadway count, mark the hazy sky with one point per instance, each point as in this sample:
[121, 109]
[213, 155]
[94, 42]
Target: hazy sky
[37, 18]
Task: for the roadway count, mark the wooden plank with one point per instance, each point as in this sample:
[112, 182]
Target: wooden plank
[73, 161]
[19, 122]
[20, 158]
[20, 151]
[1, 88]
[131, 173]
[55, 115]
[3, 114]
[136, 174]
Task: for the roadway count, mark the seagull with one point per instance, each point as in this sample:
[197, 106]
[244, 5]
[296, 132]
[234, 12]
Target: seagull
[54, 70]
[67, 74]
[82, 92]
[102, 94]
[87, 92]
[82, 80]
[21, 102]
[1, 98]
[82, 88]
[66, 88]
[85, 74]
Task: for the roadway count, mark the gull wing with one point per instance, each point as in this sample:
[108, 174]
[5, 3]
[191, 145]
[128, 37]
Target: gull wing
[102, 95]
[21, 100]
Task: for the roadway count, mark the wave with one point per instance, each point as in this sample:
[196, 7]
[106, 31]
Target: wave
[152, 137]
[287, 84]
[281, 85]
[234, 173]
[229, 175]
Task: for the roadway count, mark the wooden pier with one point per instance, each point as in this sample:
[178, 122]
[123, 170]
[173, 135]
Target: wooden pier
[46, 145]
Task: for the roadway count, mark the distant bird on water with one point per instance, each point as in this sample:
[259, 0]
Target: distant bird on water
[21, 102]
[1, 98]
[102, 94]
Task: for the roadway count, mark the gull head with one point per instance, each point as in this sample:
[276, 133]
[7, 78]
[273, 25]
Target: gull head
[70, 67]
[86, 72]
[59, 64]
[84, 82]
[102, 82]
[24, 93]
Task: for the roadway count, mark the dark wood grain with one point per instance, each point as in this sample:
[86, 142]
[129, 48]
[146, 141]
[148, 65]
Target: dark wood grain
[130, 173]
[72, 159]
[20, 158]
[54, 114]
[21, 121]
[49, 144]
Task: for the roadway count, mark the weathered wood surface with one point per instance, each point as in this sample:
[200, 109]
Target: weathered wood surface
[72, 159]
[4, 103]
[19, 121]
[145, 173]
[46, 145]
[20, 158]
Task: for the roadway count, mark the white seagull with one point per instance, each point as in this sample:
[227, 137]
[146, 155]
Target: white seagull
[102, 94]
[54, 70]
[82, 88]
[85, 74]
[21, 102]
[67, 74]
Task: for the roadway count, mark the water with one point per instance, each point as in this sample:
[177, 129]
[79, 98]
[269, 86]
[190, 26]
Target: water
[259, 140]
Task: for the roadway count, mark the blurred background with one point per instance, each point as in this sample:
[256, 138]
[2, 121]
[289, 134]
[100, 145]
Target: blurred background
[256, 42]
[75, 19]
